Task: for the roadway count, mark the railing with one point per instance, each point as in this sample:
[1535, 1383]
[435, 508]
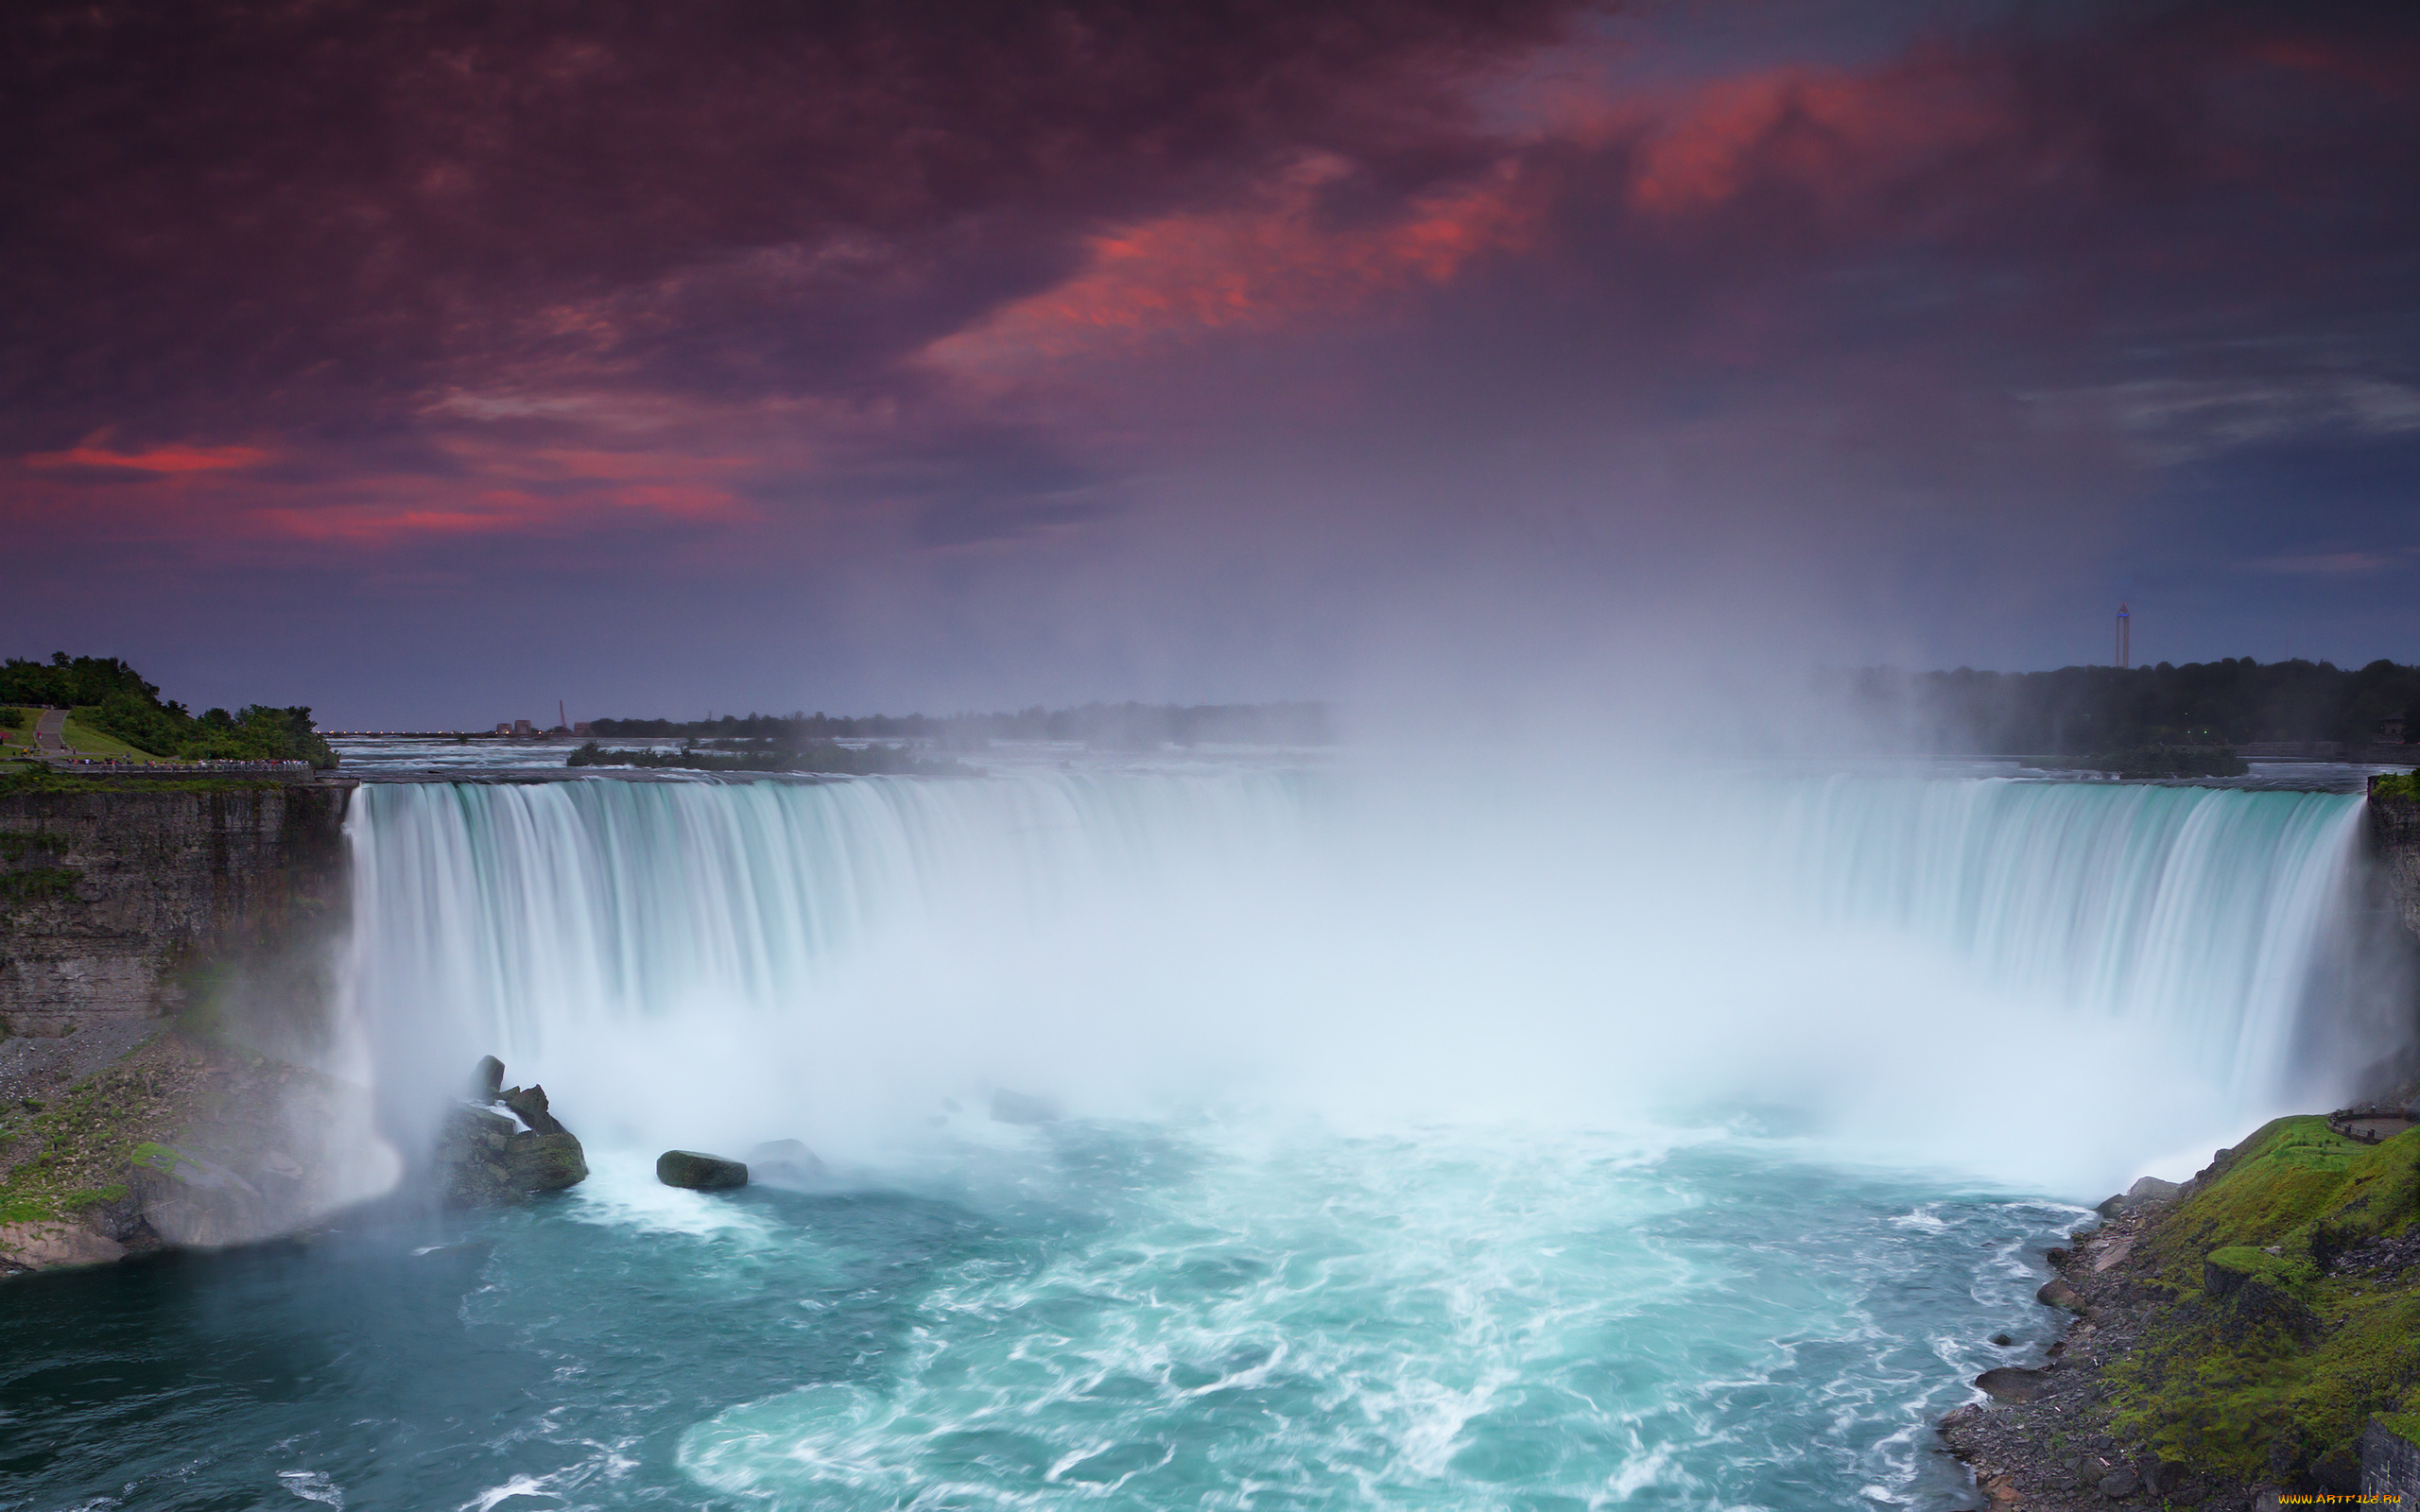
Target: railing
[226, 769]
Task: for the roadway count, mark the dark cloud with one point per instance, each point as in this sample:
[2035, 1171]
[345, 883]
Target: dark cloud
[312, 214]
[950, 314]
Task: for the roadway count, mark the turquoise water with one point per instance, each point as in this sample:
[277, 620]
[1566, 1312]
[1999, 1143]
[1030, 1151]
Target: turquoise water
[1071, 1316]
[1369, 1194]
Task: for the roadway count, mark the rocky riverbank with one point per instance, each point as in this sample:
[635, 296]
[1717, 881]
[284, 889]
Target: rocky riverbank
[2251, 1335]
[180, 1142]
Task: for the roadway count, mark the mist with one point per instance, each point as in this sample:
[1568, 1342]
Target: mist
[2056, 987]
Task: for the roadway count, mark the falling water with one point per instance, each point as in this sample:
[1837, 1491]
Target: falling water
[1133, 927]
[1495, 1143]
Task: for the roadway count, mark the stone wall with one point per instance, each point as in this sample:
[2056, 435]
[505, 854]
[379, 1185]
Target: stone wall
[128, 904]
[2390, 1465]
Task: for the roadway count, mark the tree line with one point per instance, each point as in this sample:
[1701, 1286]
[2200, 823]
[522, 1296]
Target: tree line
[2075, 711]
[111, 697]
[1103, 726]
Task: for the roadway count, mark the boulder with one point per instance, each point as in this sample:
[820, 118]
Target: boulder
[47, 1245]
[2011, 1384]
[472, 1159]
[2150, 1191]
[486, 1160]
[188, 1200]
[545, 1163]
[2057, 1293]
[2120, 1484]
[699, 1172]
[784, 1164]
[530, 1104]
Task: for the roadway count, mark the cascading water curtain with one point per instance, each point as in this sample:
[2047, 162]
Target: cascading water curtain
[495, 915]
[2196, 911]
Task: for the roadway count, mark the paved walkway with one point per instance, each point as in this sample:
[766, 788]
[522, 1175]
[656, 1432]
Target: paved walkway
[50, 733]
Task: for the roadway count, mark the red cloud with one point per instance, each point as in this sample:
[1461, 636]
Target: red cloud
[165, 460]
[1273, 263]
[500, 490]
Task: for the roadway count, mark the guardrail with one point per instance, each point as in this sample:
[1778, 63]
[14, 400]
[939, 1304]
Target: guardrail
[226, 769]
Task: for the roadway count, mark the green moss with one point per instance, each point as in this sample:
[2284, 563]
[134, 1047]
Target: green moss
[2245, 1263]
[35, 884]
[17, 845]
[74, 1140]
[43, 779]
[2291, 1174]
[26, 1207]
[2290, 1352]
[161, 1158]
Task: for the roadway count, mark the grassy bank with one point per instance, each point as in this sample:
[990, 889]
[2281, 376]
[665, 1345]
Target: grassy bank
[2282, 1318]
[85, 740]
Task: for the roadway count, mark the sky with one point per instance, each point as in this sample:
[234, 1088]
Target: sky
[428, 363]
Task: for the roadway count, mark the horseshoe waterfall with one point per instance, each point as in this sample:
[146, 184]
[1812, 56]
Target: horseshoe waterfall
[1233, 1137]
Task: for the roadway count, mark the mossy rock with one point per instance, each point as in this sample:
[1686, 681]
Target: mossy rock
[545, 1163]
[699, 1172]
[2225, 1272]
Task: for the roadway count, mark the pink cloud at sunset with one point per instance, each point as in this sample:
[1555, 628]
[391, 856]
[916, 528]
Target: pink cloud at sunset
[171, 461]
[1279, 263]
[224, 504]
[782, 314]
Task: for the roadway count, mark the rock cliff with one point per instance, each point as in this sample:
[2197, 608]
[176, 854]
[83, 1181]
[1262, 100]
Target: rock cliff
[131, 903]
[167, 957]
[2395, 839]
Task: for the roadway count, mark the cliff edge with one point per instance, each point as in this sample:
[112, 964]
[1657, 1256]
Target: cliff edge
[2394, 841]
[166, 963]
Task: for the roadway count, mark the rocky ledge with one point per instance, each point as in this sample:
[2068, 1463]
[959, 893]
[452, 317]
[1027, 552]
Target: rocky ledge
[2251, 1335]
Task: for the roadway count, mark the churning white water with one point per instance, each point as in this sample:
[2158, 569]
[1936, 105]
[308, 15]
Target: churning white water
[1899, 966]
[1490, 1143]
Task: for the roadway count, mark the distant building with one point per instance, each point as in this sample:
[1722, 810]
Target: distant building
[2391, 729]
[504, 727]
[580, 728]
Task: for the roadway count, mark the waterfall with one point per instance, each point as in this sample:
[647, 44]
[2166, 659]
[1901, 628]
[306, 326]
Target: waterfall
[2196, 913]
[754, 960]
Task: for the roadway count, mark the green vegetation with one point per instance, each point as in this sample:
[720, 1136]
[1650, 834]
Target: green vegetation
[85, 738]
[2227, 702]
[1106, 726]
[79, 1150]
[111, 703]
[34, 777]
[766, 757]
[161, 1158]
[2270, 1356]
[39, 884]
[2401, 784]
